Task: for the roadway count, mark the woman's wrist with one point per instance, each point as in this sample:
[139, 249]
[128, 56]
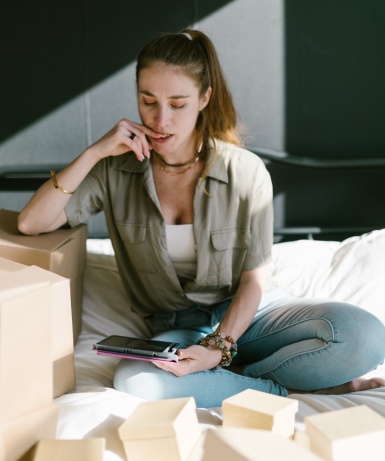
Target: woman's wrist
[93, 154]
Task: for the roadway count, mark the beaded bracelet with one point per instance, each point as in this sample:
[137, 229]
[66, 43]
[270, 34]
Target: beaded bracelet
[216, 339]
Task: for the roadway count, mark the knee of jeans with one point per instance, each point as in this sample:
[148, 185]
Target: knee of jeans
[143, 379]
[363, 333]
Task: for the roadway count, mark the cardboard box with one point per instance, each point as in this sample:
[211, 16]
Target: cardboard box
[165, 430]
[21, 434]
[352, 434]
[70, 450]
[62, 252]
[62, 336]
[26, 381]
[2, 454]
[259, 410]
[236, 444]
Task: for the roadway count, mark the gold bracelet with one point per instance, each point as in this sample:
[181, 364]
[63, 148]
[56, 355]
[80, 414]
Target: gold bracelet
[56, 185]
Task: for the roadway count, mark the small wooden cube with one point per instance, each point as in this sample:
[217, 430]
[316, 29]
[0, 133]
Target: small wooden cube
[352, 434]
[236, 444]
[259, 410]
[66, 450]
[164, 430]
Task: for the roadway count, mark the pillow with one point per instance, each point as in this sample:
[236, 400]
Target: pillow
[351, 271]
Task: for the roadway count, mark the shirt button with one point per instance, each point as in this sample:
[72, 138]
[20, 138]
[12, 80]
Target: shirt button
[196, 247]
[195, 280]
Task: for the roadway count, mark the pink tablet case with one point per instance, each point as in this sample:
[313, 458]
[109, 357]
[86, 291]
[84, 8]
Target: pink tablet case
[134, 357]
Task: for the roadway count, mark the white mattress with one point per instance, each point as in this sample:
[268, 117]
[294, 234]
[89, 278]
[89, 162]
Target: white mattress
[350, 271]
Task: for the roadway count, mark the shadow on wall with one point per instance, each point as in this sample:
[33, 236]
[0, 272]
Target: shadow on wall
[56, 50]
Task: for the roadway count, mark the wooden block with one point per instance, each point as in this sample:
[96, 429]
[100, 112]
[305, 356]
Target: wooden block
[165, 430]
[352, 434]
[70, 450]
[259, 410]
[238, 444]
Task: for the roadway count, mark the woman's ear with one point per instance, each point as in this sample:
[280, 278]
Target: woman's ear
[206, 98]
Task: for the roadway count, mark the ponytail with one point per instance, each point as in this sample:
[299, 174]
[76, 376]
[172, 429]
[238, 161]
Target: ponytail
[193, 53]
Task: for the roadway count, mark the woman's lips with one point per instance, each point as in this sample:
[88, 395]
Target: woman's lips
[163, 140]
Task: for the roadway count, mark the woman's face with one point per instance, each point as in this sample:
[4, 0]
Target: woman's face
[169, 103]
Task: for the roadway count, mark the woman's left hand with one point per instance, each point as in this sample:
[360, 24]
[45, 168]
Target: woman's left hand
[192, 360]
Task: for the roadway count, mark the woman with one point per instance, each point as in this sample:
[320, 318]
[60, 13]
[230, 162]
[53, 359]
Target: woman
[192, 228]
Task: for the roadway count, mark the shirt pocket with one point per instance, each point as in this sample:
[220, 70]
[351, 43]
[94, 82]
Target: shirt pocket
[138, 246]
[228, 251]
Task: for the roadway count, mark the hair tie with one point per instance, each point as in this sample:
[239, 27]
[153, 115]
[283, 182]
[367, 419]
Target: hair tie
[187, 35]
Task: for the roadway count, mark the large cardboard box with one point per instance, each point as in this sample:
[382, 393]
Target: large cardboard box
[70, 450]
[236, 444]
[259, 410]
[351, 434]
[22, 433]
[62, 336]
[62, 252]
[26, 381]
[164, 430]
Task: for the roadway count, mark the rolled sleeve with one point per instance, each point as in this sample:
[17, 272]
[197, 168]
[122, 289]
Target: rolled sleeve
[88, 199]
[261, 224]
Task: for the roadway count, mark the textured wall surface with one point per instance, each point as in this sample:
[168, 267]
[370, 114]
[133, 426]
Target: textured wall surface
[306, 76]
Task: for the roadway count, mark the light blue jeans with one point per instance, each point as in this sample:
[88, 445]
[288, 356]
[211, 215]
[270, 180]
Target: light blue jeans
[292, 343]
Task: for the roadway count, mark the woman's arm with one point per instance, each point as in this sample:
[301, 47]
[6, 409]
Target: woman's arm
[45, 211]
[235, 322]
[245, 303]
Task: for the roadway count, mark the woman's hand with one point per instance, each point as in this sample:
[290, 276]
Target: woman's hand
[192, 360]
[117, 141]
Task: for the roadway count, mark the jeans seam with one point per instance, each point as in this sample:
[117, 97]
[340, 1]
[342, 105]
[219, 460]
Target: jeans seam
[289, 326]
[292, 357]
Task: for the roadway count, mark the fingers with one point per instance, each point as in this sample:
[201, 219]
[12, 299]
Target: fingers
[178, 369]
[145, 129]
[141, 131]
[139, 146]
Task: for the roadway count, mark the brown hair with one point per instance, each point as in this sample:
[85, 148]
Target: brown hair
[197, 58]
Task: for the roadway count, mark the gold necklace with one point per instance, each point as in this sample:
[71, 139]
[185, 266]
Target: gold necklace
[193, 162]
[195, 159]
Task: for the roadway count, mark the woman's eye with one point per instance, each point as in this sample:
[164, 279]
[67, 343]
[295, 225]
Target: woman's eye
[149, 103]
[177, 107]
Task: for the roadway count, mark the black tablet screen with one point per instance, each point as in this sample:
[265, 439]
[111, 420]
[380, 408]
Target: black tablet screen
[135, 343]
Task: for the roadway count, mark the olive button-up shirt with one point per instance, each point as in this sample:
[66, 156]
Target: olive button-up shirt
[233, 227]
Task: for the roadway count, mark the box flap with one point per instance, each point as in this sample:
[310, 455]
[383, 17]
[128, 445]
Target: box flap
[65, 450]
[153, 419]
[40, 249]
[14, 285]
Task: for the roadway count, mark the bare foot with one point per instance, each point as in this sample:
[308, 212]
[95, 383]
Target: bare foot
[359, 384]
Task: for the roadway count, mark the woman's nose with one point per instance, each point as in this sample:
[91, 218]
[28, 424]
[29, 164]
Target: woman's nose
[162, 118]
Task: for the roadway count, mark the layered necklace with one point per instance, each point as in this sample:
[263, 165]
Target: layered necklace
[164, 164]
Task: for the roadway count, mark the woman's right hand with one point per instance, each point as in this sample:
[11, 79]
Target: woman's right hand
[117, 141]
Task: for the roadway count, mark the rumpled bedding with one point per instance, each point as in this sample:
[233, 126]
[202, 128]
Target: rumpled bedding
[352, 271]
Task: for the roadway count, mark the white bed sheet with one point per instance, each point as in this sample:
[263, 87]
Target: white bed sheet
[349, 271]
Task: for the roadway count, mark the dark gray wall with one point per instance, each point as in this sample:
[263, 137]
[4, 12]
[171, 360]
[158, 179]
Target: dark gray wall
[307, 78]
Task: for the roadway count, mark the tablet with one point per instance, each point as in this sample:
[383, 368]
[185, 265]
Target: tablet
[138, 348]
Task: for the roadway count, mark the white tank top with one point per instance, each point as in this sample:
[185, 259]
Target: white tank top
[181, 249]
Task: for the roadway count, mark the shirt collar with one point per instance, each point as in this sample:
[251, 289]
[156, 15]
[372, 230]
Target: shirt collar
[218, 171]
